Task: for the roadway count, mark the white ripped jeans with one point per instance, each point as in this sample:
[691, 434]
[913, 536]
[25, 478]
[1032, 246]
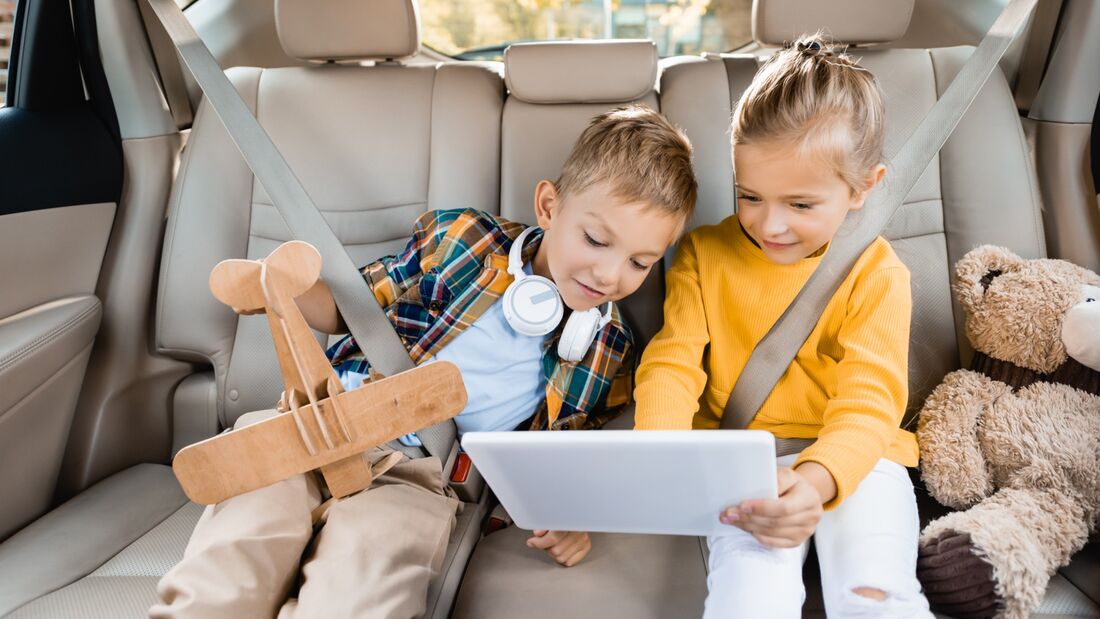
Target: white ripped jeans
[870, 541]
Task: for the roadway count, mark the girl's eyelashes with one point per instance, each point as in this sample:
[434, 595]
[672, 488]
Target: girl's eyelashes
[593, 242]
[802, 206]
[638, 265]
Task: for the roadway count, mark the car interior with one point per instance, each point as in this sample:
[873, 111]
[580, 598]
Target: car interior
[120, 190]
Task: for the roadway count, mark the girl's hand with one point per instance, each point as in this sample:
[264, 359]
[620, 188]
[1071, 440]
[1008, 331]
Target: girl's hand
[785, 522]
[566, 547]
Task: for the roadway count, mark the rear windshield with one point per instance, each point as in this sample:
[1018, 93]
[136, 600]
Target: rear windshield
[481, 29]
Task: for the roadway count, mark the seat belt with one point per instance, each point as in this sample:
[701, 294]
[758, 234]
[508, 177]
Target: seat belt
[774, 353]
[360, 309]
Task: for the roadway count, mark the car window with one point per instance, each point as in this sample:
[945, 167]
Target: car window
[481, 29]
[7, 28]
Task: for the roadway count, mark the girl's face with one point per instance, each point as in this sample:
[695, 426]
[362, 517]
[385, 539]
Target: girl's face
[790, 204]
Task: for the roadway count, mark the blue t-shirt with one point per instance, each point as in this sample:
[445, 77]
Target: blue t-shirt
[502, 371]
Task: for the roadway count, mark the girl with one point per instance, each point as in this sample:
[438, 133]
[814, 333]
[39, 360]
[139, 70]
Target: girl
[807, 144]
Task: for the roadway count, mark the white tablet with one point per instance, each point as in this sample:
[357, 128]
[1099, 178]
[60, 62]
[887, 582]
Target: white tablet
[625, 481]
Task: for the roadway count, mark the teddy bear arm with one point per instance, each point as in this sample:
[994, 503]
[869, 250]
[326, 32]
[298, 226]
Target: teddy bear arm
[953, 465]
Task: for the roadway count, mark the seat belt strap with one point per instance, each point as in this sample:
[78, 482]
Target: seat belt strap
[774, 353]
[360, 309]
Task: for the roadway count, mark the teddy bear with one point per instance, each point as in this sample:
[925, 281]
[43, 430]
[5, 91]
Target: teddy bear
[1014, 442]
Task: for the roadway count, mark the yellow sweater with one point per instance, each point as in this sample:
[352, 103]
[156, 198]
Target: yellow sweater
[848, 385]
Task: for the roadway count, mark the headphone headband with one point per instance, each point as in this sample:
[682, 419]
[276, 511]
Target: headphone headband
[515, 255]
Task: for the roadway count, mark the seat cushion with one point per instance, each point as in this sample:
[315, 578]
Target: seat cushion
[108, 545]
[124, 586]
[100, 555]
[657, 576]
[634, 576]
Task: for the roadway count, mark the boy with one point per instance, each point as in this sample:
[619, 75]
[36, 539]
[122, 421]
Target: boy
[625, 193]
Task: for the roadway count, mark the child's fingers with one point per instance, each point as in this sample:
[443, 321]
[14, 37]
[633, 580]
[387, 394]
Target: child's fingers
[783, 508]
[785, 477]
[801, 519]
[570, 544]
[800, 531]
[544, 539]
[577, 556]
[778, 542]
[547, 540]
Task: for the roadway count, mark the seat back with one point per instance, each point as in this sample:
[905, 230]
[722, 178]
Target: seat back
[554, 90]
[980, 188]
[374, 146]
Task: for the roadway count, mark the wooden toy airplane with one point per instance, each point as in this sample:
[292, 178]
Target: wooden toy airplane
[322, 426]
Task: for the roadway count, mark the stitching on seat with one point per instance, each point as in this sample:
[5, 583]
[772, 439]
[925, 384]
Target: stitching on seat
[46, 338]
[1031, 172]
[431, 151]
[38, 389]
[357, 211]
[943, 209]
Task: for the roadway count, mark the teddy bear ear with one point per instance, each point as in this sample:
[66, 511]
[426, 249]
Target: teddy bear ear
[978, 268]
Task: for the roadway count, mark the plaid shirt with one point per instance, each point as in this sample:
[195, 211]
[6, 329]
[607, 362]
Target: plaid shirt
[453, 269]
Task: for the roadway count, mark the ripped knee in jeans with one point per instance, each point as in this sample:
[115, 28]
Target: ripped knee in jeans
[870, 592]
[871, 601]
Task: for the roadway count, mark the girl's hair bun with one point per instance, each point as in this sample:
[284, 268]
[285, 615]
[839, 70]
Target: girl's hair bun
[811, 47]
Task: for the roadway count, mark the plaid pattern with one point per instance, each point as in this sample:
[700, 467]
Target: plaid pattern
[452, 270]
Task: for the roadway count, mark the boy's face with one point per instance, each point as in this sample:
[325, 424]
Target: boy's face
[790, 204]
[598, 247]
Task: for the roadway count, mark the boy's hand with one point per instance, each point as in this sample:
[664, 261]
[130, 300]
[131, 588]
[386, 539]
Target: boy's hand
[785, 522]
[566, 547]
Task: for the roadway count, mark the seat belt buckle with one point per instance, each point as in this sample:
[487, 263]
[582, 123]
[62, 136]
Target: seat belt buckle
[498, 520]
[461, 470]
[465, 479]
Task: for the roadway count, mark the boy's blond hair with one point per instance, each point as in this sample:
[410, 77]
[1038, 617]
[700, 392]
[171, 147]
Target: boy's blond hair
[821, 101]
[640, 154]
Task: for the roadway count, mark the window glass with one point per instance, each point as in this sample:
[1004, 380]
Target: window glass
[481, 29]
[7, 28]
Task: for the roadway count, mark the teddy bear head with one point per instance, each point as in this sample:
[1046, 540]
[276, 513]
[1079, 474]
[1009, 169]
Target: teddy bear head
[1033, 313]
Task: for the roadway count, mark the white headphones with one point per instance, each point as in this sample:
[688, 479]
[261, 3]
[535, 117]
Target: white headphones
[533, 306]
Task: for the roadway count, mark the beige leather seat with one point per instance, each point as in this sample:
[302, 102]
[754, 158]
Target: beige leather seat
[375, 146]
[980, 189]
[554, 89]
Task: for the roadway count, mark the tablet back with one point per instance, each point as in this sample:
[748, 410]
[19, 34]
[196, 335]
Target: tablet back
[669, 482]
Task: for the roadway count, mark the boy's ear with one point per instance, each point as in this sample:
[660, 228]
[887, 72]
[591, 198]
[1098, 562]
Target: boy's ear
[874, 177]
[547, 203]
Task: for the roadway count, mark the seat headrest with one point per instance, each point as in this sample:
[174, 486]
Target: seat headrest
[348, 29]
[580, 71]
[775, 22]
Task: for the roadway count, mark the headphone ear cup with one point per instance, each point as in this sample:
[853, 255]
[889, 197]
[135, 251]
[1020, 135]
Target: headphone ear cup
[577, 336]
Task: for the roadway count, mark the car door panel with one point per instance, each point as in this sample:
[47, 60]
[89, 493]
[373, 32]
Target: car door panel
[60, 182]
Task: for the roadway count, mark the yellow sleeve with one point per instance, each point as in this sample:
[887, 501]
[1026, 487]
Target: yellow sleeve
[670, 377]
[862, 419]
